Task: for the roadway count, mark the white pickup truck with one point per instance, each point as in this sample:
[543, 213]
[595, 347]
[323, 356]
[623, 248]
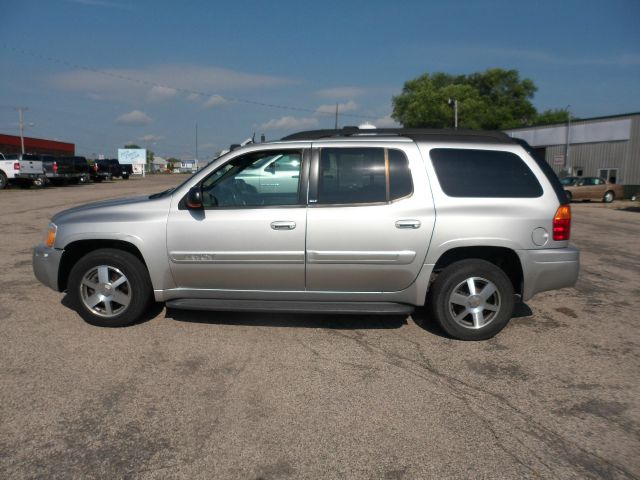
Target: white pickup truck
[24, 170]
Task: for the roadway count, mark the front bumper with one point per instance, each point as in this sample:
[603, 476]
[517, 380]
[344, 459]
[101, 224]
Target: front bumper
[548, 269]
[46, 263]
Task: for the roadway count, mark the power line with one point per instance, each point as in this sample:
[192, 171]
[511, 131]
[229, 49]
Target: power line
[149, 83]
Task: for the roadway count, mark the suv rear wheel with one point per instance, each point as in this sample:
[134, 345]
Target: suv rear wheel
[608, 197]
[109, 288]
[471, 299]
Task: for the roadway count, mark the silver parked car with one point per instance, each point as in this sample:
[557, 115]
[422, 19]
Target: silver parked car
[336, 221]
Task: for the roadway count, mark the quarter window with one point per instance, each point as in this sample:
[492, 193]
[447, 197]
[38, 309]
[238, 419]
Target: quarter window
[484, 173]
[362, 175]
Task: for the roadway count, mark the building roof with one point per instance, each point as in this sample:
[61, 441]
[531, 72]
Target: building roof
[38, 144]
[573, 120]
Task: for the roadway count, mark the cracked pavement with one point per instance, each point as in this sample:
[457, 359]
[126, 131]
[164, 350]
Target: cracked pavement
[270, 396]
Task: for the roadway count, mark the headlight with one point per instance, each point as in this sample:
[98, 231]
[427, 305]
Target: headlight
[50, 237]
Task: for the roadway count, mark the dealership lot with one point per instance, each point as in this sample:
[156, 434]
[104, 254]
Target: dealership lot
[230, 395]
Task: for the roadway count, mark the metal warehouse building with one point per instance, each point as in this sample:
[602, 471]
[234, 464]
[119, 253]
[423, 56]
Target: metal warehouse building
[607, 147]
[10, 144]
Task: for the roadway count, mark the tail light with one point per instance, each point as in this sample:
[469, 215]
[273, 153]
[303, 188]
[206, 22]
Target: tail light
[16, 166]
[562, 223]
[55, 167]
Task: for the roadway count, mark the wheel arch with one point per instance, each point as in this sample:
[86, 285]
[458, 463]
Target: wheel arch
[502, 257]
[74, 251]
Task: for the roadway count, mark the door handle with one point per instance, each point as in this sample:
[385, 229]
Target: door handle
[408, 224]
[283, 225]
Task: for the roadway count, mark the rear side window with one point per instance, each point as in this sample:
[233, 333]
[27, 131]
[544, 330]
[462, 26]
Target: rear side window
[363, 175]
[484, 173]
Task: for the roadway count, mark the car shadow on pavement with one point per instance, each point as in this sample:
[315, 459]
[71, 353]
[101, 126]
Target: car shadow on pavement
[629, 209]
[291, 320]
[423, 320]
[152, 312]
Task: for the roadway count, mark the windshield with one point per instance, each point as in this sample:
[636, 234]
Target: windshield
[568, 181]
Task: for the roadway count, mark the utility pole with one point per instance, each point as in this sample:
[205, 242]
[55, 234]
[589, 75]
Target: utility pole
[454, 102]
[566, 139]
[21, 120]
[336, 126]
[196, 144]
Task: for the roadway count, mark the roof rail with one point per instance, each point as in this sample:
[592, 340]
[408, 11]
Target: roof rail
[416, 134]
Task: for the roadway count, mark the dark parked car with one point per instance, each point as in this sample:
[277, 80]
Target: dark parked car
[127, 170]
[110, 167]
[62, 170]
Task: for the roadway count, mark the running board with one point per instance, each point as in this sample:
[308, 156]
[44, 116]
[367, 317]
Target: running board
[348, 308]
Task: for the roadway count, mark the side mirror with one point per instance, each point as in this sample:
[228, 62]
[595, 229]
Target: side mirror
[194, 198]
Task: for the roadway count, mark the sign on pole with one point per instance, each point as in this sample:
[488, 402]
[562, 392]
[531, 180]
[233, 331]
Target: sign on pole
[136, 157]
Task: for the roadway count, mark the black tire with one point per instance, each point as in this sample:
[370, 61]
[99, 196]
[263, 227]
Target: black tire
[445, 296]
[569, 195]
[3, 181]
[40, 181]
[609, 197]
[135, 292]
[125, 177]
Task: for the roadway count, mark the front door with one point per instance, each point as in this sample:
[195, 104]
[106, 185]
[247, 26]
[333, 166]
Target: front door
[245, 238]
[368, 228]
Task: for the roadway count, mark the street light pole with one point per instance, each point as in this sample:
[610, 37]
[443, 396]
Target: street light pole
[21, 120]
[566, 138]
[454, 102]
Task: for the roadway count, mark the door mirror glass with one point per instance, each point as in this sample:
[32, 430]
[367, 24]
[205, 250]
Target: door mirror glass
[194, 198]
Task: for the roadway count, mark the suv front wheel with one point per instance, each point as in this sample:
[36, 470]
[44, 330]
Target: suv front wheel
[471, 299]
[110, 288]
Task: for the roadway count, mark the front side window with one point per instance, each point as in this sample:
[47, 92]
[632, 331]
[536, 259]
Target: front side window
[266, 178]
[362, 175]
[484, 173]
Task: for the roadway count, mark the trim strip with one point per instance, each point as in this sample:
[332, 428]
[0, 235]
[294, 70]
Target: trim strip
[237, 257]
[403, 257]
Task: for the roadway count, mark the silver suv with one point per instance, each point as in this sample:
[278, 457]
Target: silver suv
[336, 221]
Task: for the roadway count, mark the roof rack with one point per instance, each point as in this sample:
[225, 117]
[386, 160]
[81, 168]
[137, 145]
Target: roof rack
[416, 134]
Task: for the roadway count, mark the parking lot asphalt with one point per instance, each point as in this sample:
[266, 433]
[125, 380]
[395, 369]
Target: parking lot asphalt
[270, 396]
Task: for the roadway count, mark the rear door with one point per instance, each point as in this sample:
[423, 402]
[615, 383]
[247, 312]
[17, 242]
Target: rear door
[370, 217]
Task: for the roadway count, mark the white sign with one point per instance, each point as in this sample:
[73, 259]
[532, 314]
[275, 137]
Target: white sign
[558, 159]
[132, 156]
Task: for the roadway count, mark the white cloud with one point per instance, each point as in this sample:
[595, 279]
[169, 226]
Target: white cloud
[342, 108]
[134, 83]
[151, 138]
[159, 93]
[289, 123]
[135, 117]
[214, 101]
[194, 97]
[340, 92]
[386, 122]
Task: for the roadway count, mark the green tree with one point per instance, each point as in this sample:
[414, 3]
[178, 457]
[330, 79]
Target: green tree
[490, 100]
[552, 116]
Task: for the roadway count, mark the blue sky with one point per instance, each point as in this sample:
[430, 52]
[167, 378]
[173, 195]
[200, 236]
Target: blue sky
[102, 73]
